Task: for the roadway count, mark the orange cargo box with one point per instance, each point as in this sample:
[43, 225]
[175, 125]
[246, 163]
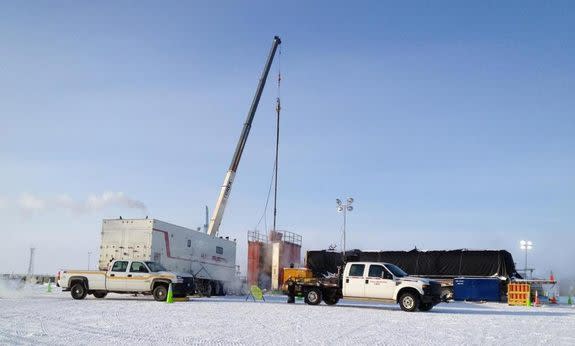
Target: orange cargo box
[296, 273]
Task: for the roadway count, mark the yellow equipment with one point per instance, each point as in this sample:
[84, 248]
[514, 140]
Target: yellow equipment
[519, 294]
[296, 273]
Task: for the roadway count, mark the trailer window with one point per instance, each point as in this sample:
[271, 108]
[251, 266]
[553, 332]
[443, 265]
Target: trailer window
[219, 250]
[189, 243]
[120, 266]
[356, 270]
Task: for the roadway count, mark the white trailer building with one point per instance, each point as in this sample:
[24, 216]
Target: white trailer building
[211, 260]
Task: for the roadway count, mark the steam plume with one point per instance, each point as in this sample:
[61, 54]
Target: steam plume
[29, 203]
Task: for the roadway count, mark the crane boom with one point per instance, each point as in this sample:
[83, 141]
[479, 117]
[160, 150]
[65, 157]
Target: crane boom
[216, 219]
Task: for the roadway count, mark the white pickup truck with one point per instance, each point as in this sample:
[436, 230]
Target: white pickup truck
[369, 281]
[125, 276]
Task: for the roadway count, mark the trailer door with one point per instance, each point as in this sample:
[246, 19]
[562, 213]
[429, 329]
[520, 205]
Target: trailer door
[354, 281]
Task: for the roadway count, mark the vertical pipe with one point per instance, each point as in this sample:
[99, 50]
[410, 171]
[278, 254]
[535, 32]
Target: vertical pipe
[278, 107]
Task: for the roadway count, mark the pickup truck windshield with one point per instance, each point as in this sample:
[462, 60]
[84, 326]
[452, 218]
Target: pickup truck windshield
[396, 271]
[155, 267]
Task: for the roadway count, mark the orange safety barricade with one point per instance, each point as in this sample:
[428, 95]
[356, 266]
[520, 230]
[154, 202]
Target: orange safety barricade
[519, 294]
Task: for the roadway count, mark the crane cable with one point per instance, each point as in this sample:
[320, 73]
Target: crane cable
[274, 170]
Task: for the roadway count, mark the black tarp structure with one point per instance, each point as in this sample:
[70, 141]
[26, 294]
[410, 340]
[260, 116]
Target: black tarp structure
[450, 263]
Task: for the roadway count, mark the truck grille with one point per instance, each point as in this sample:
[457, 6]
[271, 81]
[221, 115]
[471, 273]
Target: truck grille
[184, 288]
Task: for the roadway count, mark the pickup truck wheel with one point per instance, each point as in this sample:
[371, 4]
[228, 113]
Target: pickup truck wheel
[313, 297]
[409, 302]
[100, 294]
[160, 293]
[425, 306]
[79, 291]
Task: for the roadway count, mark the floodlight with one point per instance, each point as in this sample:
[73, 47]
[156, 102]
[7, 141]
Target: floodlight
[338, 201]
[340, 208]
[349, 208]
[349, 200]
[526, 245]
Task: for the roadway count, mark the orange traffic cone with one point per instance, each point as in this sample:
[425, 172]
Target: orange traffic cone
[536, 303]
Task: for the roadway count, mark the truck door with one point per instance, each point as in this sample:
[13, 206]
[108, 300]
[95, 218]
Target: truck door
[116, 277]
[379, 283]
[138, 277]
[354, 281]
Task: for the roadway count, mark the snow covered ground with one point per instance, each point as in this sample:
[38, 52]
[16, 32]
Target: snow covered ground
[34, 316]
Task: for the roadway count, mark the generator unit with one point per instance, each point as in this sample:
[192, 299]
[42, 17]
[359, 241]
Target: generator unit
[210, 259]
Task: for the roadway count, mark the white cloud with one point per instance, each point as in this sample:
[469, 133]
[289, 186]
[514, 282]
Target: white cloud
[30, 203]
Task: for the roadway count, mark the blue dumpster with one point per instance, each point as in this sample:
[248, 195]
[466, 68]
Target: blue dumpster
[477, 289]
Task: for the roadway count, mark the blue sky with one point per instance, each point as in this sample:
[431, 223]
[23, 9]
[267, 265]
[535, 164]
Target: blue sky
[450, 123]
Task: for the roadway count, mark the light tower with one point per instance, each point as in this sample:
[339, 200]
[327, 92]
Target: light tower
[344, 208]
[526, 245]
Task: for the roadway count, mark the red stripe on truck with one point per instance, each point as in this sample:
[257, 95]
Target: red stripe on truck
[169, 254]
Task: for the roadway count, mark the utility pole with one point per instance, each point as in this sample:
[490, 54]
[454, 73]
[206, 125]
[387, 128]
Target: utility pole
[30, 266]
[278, 109]
[207, 220]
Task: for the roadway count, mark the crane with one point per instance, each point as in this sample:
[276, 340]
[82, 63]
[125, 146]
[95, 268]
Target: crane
[216, 219]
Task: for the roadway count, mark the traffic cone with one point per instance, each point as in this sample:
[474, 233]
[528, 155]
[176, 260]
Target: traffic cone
[170, 297]
[536, 303]
[49, 289]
